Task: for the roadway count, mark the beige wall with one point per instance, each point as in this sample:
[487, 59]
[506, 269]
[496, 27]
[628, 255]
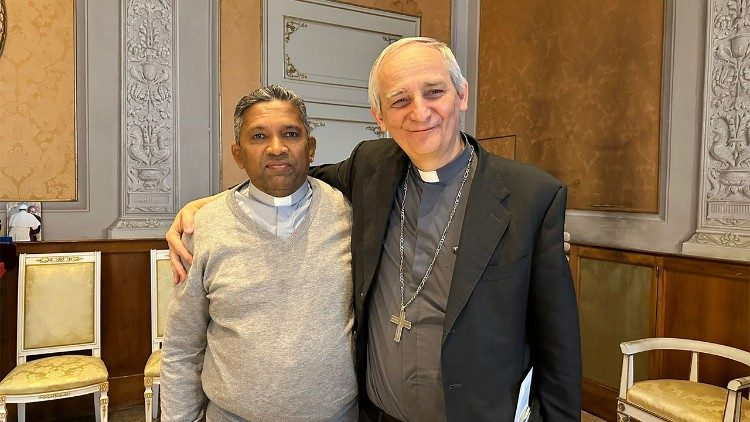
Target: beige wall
[37, 102]
[241, 55]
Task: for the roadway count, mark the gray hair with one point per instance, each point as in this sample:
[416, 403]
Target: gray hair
[266, 94]
[449, 59]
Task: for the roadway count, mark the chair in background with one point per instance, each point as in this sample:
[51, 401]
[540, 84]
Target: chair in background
[58, 312]
[681, 400]
[161, 290]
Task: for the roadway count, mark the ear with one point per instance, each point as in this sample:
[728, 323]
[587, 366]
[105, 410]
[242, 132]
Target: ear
[311, 144]
[464, 96]
[237, 154]
[378, 118]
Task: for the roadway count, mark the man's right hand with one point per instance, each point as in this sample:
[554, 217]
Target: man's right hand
[183, 223]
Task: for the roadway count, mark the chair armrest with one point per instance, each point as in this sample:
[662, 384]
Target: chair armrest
[637, 346]
[739, 383]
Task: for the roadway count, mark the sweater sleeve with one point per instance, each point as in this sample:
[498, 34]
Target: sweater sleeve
[182, 394]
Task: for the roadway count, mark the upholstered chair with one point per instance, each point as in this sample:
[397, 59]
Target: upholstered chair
[681, 400]
[161, 290]
[58, 312]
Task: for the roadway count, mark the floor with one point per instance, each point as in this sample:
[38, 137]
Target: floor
[135, 414]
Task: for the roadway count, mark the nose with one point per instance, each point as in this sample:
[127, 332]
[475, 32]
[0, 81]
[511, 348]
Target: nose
[420, 112]
[277, 146]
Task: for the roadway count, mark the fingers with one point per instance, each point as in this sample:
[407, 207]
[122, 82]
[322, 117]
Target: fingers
[176, 250]
[178, 271]
[566, 240]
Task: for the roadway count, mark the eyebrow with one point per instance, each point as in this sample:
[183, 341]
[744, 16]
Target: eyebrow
[428, 84]
[261, 127]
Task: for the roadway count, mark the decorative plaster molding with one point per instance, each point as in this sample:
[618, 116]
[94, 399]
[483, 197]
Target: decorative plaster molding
[376, 130]
[148, 113]
[724, 216]
[290, 26]
[290, 70]
[314, 124]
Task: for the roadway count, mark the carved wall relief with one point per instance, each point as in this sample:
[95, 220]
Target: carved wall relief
[724, 218]
[148, 110]
[2, 26]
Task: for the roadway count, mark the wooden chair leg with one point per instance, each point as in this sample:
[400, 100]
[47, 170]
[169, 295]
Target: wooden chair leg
[97, 401]
[104, 402]
[148, 398]
[3, 410]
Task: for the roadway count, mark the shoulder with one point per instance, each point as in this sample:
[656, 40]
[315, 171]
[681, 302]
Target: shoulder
[330, 196]
[375, 150]
[518, 175]
[214, 210]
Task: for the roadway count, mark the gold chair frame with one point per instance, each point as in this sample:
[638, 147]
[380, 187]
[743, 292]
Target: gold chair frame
[152, 384]
[98, 389]
[733, 404]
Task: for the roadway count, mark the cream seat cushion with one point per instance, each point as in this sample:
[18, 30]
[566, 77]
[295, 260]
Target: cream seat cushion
[54, 374]
[153, 365]
[680, 400]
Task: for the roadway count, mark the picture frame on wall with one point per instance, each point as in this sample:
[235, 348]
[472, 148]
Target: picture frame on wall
[24, 221]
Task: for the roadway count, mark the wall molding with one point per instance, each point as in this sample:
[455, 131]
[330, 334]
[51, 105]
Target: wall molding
[148, 146]
[724, 213]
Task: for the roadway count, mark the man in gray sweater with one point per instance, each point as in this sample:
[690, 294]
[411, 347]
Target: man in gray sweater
[262, 330]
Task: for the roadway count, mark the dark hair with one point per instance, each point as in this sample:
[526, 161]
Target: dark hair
[265, 94]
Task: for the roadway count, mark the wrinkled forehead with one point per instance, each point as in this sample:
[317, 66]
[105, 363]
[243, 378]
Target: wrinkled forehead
[416, 62]
[272, 113]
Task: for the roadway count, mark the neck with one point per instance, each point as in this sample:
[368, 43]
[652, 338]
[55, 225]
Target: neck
[433, 163]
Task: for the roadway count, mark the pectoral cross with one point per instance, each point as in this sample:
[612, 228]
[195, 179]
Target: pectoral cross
[401, 323]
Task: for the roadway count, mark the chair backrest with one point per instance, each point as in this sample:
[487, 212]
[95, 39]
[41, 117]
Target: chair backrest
[161, 291]
[58, 303]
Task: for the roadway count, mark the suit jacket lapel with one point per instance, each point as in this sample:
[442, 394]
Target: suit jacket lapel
[484, 223]
[378, 190]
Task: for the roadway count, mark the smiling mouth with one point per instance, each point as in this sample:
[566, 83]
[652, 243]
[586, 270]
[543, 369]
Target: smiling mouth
[423, 130]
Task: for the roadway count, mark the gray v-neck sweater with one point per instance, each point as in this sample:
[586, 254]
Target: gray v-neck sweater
[263, 326]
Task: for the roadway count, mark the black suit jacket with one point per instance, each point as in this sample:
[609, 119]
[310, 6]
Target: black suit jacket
[511, 303]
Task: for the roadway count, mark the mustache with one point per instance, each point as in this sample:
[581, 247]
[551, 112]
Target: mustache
[278, 161]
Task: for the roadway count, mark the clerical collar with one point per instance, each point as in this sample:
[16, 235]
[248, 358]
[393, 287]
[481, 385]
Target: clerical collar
[274, 201]
[446, 172]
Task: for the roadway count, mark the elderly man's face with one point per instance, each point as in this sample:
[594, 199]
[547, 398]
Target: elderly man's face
[420, 107]
[275, 149]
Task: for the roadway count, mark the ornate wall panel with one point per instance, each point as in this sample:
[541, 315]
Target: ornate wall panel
[241, 70]
[324, 50]
[578, 83]
[435, 15]
[37, 102]
[148, 147]
[724, 216]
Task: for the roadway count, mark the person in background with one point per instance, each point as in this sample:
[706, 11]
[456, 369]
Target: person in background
[262, 329]
[464, 303]
[21, 224]
[36, 233]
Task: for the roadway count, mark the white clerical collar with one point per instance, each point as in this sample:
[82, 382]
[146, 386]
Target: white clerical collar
[449, 170]
[275, 201]
[429, 176]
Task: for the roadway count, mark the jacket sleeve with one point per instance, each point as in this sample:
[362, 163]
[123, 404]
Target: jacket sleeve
[554, 334]
[339, 175]
[182, 394]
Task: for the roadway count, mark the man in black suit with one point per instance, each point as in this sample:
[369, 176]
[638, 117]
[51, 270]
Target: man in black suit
[461, 282]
